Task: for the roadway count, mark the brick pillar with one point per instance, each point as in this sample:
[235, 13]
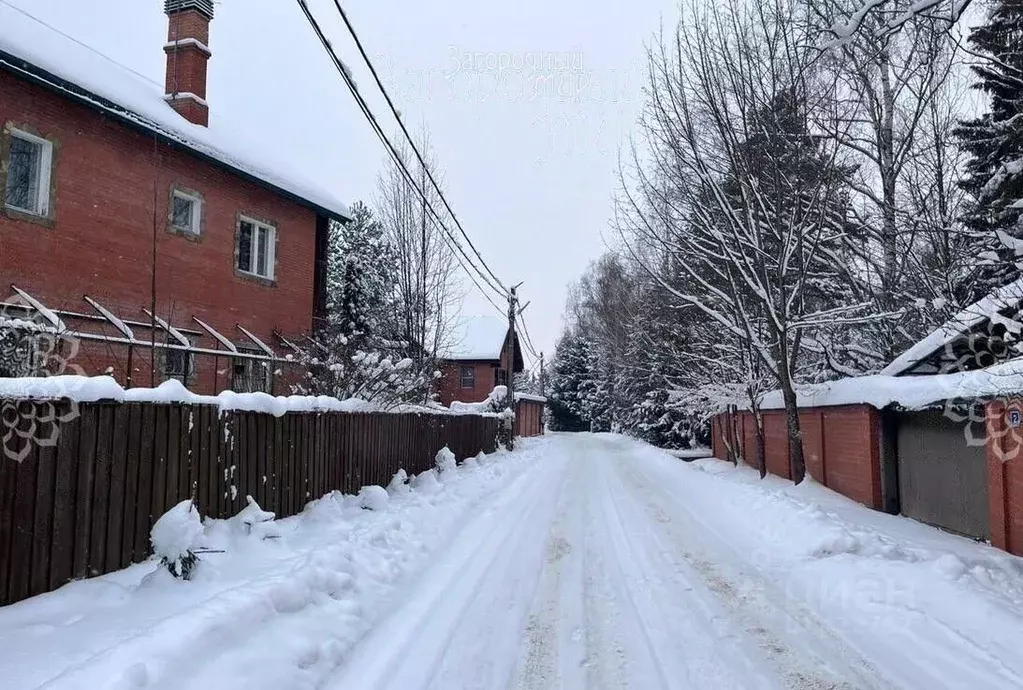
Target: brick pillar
[188, 53]
[1005, 475]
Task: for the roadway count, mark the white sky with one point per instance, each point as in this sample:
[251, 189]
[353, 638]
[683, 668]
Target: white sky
[527, 103]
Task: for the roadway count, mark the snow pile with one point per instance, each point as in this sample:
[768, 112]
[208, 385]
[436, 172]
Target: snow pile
[274, 613]
[492, 403]
[445, 463]
[176, 536]
[399, 484]
[883, 582]
[374, 498]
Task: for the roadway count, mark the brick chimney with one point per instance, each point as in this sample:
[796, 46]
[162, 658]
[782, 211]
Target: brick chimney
[188, 52]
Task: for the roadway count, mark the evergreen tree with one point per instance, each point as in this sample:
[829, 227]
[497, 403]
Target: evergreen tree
[360, 278]
[571, 384]
[994, 142]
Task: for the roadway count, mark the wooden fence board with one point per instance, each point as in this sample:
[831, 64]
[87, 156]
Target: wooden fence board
[62, 544]
[87, 505]
[42, 529]
[8, 484]
[24, 517]
[143, 506]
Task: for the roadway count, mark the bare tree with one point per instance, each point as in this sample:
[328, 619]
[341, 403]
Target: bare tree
[744, 188]
[427, 289]
[889, 86]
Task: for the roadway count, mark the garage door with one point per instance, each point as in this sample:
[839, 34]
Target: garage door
[942, 478]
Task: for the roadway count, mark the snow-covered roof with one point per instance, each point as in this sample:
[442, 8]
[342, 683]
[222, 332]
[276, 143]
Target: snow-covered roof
[987, 309]
[909, 392]
[476, 338]
[43, 55]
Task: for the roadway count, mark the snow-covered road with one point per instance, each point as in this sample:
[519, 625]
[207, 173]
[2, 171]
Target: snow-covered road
[580, 561]
[586, 574]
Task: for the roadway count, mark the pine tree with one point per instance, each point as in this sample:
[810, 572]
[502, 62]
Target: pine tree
[571, 384]
[994, 142]
[359, 277]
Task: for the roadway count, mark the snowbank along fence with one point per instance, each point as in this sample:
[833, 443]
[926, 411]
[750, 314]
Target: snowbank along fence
[84, 505]
[958, 467]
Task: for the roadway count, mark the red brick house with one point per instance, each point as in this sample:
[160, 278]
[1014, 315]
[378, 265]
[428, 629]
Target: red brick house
[477, 360]
[123, 191]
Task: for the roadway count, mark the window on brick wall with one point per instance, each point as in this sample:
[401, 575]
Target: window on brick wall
[468, 377]
[29, 164]
[256, 248]
[250, 375]
[178, 364]
[502, 377]
[186, 212]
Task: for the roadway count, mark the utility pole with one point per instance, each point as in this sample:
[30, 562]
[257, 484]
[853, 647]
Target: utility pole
[513, 312]
[543, 389]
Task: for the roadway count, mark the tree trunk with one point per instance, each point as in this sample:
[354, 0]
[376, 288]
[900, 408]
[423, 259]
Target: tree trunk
[797, 464]
[758, 416]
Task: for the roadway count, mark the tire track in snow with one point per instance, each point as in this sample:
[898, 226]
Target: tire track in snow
[413, 647]
[822, 660]
[691, 641]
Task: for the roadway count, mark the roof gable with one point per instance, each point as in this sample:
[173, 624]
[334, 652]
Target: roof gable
[476, 338]
[976, 322]
[34, 51]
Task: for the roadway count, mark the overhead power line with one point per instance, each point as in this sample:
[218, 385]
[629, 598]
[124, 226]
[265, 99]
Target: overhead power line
[401, 123]
[396, 157]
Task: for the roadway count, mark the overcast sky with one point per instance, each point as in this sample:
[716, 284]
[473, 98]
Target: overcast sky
[527, 103]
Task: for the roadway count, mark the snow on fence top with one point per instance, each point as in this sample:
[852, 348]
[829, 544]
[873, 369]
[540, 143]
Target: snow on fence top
[530, 398]
[493, 401]
[908, 392]
[104, 388]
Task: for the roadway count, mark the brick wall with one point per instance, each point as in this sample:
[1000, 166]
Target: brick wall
[841, 446]
[776, 439]
[1005, 476]
[108, 182]
[449, 387]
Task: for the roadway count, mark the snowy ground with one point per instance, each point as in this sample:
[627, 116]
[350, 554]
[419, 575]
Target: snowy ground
[581, 561]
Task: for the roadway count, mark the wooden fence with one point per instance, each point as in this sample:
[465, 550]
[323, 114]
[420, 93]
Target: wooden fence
[85, 506]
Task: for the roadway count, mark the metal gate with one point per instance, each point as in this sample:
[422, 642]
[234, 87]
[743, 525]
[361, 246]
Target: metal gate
[943, 478]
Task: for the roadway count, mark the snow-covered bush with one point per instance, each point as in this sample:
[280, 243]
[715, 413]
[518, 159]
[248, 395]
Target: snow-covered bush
[175, 538]
[399, 484]
[445, 462]
[426, 482]
[373, 498]
[254, 520]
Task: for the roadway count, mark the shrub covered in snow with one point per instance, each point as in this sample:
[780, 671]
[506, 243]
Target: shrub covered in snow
[176, 536]
[254, 520]
[399, 484]
[426, 482]
[373, 498]
[445, 461]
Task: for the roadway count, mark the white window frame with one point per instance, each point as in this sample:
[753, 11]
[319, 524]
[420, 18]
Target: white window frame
[271, 248]
[196, 219]
[462, 371]
[42, 209]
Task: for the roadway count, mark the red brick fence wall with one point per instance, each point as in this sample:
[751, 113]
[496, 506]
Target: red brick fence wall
[842, 446]
[850, 450]
[85, 506]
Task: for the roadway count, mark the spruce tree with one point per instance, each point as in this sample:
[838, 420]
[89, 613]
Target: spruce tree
[994, 142]
[571, 384]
